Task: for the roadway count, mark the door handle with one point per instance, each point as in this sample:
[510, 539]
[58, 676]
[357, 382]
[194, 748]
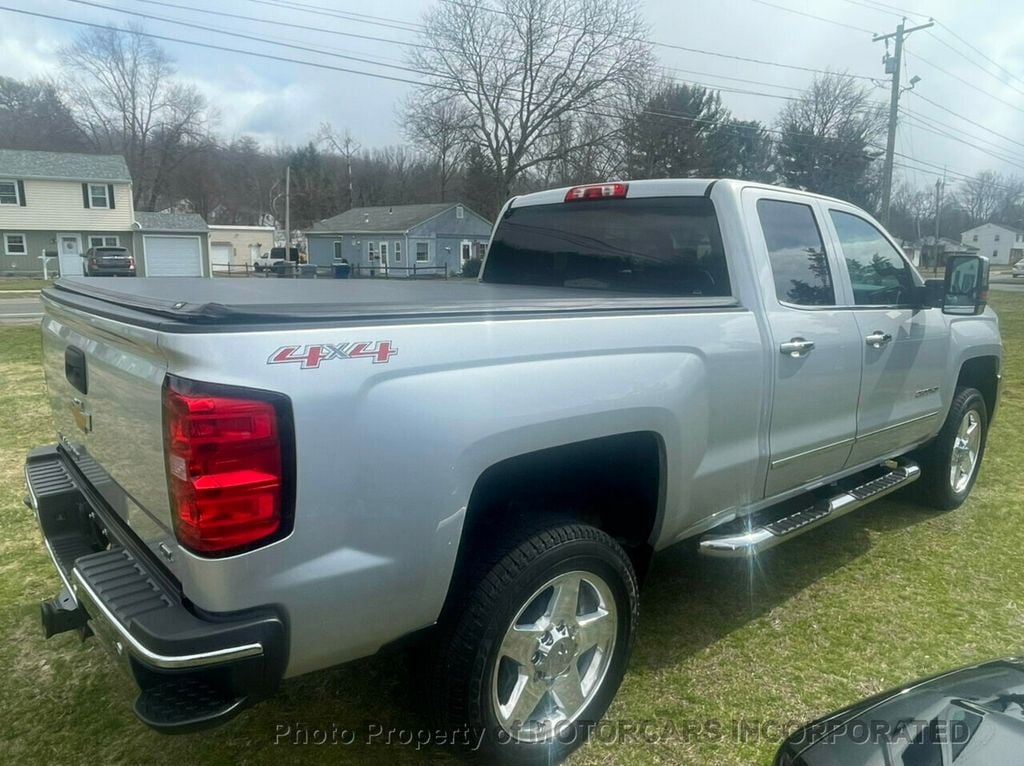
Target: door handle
[797, 347]
[877, 339]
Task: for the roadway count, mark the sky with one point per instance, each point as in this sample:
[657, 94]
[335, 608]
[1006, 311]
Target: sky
[736, 46]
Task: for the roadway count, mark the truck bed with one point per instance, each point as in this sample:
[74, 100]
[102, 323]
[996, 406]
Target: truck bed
[185, 304]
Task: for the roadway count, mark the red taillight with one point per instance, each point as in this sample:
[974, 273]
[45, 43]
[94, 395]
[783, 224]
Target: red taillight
[596, 191]
[226, 468]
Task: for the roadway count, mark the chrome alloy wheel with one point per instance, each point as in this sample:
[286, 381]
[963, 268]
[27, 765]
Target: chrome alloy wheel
[554, 656]
[966, 447]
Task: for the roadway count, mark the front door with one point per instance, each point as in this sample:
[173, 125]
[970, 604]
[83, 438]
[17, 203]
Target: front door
[816, 346]
[69, 252]
[904, 348]
[385, 264]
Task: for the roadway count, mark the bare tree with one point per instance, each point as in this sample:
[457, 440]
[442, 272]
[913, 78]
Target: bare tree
[990, 196]
[828, 140]
[439, 124]
[348, 148]
[121, 90]
[522, 66]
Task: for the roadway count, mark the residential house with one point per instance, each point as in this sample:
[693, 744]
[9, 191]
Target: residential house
[922, 253]
[234, 247]
[171, 245]
[401, 240]
[1003, 245]
[61, 204]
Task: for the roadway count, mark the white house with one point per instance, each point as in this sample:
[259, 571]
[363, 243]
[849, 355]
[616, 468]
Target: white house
[1004, 245]
[238, 246]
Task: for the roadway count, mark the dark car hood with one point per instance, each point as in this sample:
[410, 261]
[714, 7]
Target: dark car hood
[974, 715]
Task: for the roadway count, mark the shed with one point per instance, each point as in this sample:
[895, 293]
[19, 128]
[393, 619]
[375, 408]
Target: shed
[171, 245]
[401, 240]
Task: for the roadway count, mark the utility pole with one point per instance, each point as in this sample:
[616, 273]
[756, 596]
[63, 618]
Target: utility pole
[939, 184]
[893, 66]
[288, 213]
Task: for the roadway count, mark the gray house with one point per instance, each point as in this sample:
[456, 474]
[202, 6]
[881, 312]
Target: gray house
[401, 240]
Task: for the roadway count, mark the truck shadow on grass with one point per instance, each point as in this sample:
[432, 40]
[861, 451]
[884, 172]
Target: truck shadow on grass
[368, 711]
[691, 601]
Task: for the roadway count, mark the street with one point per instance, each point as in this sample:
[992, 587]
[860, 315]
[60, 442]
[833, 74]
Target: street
[26, 309]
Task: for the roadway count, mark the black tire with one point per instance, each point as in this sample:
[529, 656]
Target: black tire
[935, 488]
[466, 671]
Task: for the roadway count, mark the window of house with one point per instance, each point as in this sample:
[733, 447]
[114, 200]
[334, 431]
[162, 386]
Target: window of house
[9, 193]
[422, 251]
[467, 251]
[797, 253]
[995, 253]
[879, 274]
[104, 241]
[98, 196]
[398, 251]
[460, 212]
[371, 250]
[15, 244]
[337, 251]
[997, 237]
[974, 238]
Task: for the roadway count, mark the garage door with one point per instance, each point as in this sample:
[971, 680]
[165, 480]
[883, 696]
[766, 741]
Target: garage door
[168, 256]
[220, 256]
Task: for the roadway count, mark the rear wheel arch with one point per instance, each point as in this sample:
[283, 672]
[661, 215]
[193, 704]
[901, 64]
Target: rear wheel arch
[614, 483]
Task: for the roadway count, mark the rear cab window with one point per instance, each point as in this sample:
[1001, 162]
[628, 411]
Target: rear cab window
[796, 251]
[666, 246]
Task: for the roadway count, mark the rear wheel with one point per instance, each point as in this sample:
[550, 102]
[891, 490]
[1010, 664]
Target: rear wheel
[540, 645]
[950, 464]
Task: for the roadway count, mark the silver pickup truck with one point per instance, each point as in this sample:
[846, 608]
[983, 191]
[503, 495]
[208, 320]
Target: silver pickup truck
[256, 479]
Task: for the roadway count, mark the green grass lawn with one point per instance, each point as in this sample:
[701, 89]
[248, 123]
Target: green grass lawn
[880, 597]
[17, 283]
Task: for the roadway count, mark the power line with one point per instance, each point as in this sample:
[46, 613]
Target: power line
[973, 87]
[975, 142]
[980, 53]
[243, 36]
[294, 45]
[212, 46]
[963, 136]
[671, 46]
[321, 65]
[275, 22]
[813, 16]
[966, 119]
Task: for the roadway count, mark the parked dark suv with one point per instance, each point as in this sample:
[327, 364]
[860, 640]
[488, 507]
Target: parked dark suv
[108, 262]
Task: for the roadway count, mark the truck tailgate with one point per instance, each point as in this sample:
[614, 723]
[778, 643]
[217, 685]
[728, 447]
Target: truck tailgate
[104, 379]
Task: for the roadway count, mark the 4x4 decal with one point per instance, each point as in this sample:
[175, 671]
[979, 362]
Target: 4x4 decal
[310, 357]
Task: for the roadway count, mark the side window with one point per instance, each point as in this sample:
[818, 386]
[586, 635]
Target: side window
[880, 275]
[797, 253]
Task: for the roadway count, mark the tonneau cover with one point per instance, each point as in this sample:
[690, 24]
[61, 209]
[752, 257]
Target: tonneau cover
[204, 301]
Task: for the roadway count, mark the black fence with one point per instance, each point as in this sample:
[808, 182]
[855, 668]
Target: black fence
[312, 271]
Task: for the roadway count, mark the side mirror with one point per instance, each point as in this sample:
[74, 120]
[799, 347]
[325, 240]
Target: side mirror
[965, 288]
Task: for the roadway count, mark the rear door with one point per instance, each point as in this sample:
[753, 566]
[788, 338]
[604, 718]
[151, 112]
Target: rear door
[904, 348]
[816, 343]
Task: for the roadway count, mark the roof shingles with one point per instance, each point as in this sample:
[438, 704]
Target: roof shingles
[191, 222]
[393, 218]
[15, 163]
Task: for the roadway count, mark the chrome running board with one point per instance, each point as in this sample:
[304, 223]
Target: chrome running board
[767, 535]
